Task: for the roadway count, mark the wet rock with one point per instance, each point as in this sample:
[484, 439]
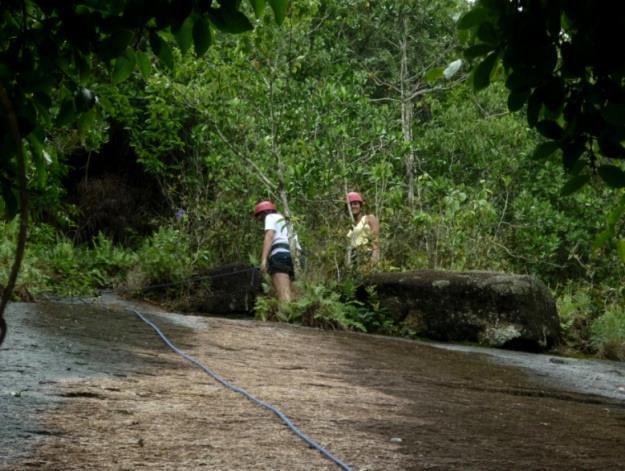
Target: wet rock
[490, 308]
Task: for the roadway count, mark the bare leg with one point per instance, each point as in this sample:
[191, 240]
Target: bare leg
[282, 285]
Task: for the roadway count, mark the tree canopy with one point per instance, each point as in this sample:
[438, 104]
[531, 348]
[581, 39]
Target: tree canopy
[559, 65]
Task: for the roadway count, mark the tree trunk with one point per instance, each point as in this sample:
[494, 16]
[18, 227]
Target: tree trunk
[407, 116]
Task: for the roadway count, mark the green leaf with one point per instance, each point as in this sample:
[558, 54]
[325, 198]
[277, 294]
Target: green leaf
[601, 239]
[610, 147]
[534, 105]
[574, 184]
[201, 36]
[474, 17]
[550, 129]
[230, 21]
[481, 74]
[544, 150]
[144, 63]
[487, 33]
[571, 153]
[184, 35]
[612, 175]
[166, 55]
[124, 65]
[516, 99]
[116, 44]
[156, 42]
[522, 80]
[279, 9]
[614, 114]
[37, 153]
[85, 123]
[477, 50]
[6, 73]
[84, 69]
[258, 6]
[67, 113]
[433, 75]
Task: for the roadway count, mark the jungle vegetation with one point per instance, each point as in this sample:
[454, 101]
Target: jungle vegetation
[146, 149]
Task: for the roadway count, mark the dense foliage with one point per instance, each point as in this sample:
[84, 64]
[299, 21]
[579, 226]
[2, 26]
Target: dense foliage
[352, 95]
[559, 67]
[51, 52]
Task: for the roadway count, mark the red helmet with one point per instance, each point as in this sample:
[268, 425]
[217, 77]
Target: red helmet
[354, 196]
[264, 206]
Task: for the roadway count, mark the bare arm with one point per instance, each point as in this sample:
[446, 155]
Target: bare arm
[374, 224]
[267, 241]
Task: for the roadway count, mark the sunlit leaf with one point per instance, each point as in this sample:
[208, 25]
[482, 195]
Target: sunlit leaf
[144, 63]
[279, 9]
[452, 69]
[84, 99]
[259, 6]
[434, 75]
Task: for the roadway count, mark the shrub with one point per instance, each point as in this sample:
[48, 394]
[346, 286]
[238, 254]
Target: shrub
[608, 334]
[165, 257]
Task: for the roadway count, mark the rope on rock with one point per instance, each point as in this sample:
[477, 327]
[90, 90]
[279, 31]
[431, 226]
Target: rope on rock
[243, 392]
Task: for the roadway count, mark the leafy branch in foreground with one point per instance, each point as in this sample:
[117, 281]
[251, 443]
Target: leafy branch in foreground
[558, 66]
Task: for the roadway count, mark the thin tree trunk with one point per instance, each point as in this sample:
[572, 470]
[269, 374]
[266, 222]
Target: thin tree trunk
[23, 202]
[407, 116]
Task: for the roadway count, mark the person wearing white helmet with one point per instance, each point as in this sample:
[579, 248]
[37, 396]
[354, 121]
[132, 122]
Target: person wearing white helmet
[364, 236]
[276, 254]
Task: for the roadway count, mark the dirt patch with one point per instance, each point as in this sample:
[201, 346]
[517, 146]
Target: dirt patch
[375, 403]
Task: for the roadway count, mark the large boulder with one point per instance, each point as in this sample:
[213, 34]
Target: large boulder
[492, 309]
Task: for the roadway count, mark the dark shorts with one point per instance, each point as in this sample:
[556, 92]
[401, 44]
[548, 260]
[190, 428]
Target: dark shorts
[281, 262]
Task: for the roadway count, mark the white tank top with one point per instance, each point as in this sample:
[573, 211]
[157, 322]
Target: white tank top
[277, 223]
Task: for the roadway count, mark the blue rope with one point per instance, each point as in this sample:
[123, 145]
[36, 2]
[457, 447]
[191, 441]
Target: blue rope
[234, 388]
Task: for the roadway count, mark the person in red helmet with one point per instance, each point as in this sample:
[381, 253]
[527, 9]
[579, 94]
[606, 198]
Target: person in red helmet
[276, 255]
[364, 236]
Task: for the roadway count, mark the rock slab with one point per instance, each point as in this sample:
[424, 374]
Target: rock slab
[490, 308]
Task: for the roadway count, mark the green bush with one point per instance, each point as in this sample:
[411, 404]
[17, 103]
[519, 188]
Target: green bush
[575, 309]
[316, 305]
[608, 334]
[53, 264]
[165, 257]
[111, 261]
